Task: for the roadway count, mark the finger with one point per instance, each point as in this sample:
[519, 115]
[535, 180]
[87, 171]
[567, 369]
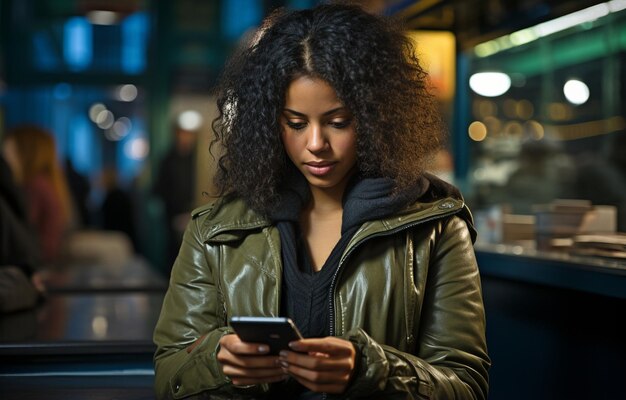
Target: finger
[234, 371]
[328, 345]
[251, 362]
[316, 362]
[226, 357]
[245, 348]
[236, 346]
[319, 377]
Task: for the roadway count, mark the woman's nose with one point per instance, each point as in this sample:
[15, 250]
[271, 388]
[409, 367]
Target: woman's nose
[316, 141]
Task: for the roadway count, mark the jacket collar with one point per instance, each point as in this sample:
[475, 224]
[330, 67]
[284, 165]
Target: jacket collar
[229, 219]
[416, 214]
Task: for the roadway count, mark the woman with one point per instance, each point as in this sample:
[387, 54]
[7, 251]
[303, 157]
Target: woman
[327, 217]
[31, 153]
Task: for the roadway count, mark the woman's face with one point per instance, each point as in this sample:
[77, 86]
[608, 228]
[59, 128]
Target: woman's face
[318, 134]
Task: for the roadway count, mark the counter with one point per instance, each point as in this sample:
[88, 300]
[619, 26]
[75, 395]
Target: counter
[597, 275]
[555, 324]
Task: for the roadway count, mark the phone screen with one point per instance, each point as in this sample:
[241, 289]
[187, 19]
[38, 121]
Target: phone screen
[274, 331]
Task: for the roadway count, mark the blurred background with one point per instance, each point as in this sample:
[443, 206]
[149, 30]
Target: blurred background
[532, 92]
[114, 81]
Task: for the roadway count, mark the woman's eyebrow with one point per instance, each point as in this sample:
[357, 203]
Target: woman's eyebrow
[329, 112]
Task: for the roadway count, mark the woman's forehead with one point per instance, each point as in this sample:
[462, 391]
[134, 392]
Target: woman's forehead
[311, 94]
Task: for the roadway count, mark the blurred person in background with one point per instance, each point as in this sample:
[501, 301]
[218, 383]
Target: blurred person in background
[175, 185]
[32, 155]
[117, 207]
[79, 189]
[20, 283]
[602, 179]
[544, 173]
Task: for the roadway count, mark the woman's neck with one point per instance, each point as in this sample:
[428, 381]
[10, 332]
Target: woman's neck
[325, 202]
[320, 222]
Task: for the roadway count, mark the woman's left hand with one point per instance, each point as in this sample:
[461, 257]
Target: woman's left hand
[322, 365]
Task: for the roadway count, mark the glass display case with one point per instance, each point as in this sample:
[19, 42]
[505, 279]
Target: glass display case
[546, 123]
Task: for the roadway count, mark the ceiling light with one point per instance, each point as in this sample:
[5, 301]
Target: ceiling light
[126, 92]
[490, 84]
[576, 92]
[190, 120]
[103, 17]
[548, 28]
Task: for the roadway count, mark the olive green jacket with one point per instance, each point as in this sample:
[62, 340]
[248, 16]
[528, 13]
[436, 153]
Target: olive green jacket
[406, 294]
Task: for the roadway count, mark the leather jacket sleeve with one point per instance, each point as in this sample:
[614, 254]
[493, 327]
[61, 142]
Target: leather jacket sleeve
[451, 360]
[188, 305]
[189, 328]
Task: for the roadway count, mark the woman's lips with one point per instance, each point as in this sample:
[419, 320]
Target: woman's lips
[319, 168]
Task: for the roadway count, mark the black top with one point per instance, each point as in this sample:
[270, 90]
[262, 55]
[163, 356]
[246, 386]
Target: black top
[305, 292]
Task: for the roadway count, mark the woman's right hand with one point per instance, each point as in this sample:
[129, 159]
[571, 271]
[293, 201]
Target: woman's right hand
[248, 363]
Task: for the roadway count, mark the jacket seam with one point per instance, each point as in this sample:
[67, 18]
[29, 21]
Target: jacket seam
[261, 266]
[276, 257]
[410, 286]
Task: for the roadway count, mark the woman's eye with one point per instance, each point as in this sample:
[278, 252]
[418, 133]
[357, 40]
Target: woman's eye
[296, 125]
[340, 124]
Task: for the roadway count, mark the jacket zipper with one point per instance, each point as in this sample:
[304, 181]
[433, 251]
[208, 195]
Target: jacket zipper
[331, 298]
[386, 233]
[331, 302]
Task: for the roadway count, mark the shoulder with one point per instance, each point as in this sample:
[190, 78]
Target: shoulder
[443, 202]
[228, 213]
[221, 208]
[438, 189]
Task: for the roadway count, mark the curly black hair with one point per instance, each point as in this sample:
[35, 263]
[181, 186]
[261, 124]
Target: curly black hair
[375, 72]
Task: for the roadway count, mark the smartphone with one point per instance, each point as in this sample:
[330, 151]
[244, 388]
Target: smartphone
[276, 332]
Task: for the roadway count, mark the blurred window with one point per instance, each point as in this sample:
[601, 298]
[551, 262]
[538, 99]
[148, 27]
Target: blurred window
[559, 130]
[78, 71]
[239, 15]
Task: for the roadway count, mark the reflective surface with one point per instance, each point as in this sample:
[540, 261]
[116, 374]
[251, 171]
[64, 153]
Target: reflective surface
[554, 270]
[85, 317]
[89, 338]
[134, 274]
